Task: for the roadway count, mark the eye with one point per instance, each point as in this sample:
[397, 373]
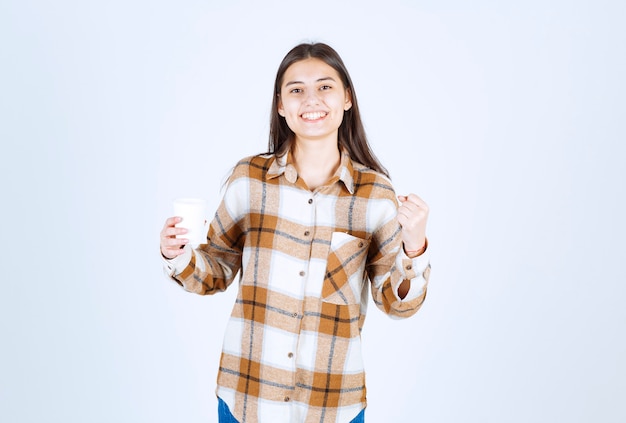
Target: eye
[325, 87]
[296, 91]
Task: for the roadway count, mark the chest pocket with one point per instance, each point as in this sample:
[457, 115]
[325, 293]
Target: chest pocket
[343, 279]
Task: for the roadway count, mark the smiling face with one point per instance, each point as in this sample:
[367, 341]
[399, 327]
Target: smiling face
[313, 100]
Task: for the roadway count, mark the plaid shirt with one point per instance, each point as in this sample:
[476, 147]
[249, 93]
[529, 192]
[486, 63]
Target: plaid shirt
[292, 348]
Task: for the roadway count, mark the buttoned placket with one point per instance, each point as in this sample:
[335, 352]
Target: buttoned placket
[307, 234]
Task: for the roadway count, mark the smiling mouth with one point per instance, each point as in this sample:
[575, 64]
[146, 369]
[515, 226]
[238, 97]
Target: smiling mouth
[313, 115]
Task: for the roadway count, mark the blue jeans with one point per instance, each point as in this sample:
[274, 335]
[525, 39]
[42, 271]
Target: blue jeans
[223, 413]
[225, 416]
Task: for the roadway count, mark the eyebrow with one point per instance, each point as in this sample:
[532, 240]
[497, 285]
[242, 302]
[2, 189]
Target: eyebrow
[326, 78]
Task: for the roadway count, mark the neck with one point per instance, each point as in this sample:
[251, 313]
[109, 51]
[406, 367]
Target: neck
[316, 162]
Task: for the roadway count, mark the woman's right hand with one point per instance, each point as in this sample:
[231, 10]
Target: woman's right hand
[171, 246]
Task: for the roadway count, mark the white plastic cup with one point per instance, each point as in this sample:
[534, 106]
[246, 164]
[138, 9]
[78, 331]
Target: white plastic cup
[194, 213]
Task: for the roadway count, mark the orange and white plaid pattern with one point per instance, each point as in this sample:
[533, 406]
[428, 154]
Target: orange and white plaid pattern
[306, 261]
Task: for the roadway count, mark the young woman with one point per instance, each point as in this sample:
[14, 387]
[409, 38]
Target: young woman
[311, 226]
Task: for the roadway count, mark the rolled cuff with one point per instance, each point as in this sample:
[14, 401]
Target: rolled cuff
[416, 270]
[173, 267]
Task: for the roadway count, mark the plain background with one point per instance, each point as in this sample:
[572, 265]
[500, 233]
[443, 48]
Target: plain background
[506, 117]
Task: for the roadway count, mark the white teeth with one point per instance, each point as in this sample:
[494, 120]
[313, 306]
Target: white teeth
[313, 115]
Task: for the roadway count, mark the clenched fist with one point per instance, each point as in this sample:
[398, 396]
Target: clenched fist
[412, 216]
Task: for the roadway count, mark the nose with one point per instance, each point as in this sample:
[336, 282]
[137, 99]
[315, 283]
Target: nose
[312, 98]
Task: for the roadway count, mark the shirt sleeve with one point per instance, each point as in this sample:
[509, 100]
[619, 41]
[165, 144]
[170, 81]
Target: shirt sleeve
[389, 266]
[211, 267]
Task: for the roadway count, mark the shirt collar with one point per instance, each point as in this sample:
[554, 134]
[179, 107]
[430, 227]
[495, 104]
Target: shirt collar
[284, 165]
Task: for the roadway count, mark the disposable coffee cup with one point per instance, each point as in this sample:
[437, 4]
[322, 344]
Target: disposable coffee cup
[193, 212]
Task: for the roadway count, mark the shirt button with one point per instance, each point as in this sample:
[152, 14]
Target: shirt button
[301, 273]
[360, 244]
[408, 267]
[290, 355]
[286, 399]
[310, 201]
[306, 233]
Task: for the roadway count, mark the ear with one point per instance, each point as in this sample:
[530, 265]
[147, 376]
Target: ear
[280, 109]
[348, 105]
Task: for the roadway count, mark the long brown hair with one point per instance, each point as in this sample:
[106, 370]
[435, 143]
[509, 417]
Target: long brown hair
[351, 132]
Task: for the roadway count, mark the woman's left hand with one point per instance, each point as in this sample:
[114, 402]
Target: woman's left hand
[412, 216]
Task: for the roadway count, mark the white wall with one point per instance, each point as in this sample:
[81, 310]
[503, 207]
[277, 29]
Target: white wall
[507, 119]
